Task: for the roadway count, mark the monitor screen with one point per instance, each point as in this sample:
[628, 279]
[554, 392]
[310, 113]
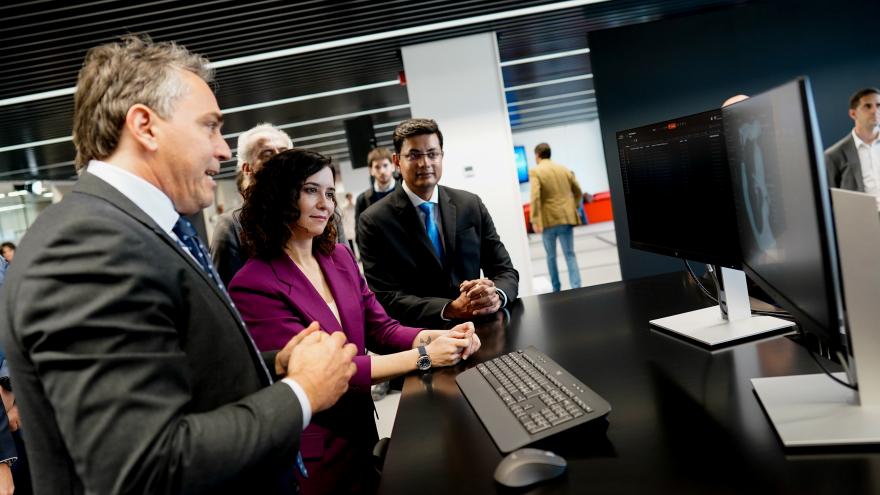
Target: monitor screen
[676, 186]
[522, 163]
[783, 205]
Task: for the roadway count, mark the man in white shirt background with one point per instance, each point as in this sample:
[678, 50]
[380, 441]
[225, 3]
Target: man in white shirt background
[853, 163]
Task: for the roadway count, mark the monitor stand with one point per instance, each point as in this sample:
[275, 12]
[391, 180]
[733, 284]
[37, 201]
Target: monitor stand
[713, 326]
[813, 410]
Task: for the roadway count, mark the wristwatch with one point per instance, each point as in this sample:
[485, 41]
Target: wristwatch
[424, 361]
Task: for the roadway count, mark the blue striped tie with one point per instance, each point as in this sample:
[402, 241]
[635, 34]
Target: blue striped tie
[187, 238]
[431, 228]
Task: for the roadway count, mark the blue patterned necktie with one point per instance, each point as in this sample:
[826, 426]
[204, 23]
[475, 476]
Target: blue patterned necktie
[186, 235]
[431, 228]
[187, 238]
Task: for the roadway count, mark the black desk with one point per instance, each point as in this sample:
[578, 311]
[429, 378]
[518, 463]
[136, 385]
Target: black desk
[684, 419]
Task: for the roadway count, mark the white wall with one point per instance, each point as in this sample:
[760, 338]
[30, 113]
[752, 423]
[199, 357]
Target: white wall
[578, 146]
[458, 83]
[354, 180]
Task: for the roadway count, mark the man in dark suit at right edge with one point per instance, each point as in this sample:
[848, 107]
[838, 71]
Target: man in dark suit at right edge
[853, 163]
[133, 371]
[423, 246]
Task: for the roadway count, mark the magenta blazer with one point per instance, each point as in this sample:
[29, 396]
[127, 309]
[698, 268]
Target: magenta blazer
[277, 301]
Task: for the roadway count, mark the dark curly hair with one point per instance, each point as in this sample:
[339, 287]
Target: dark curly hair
[270, 204]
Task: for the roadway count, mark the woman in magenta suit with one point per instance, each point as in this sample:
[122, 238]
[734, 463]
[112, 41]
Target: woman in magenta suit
[298, 275]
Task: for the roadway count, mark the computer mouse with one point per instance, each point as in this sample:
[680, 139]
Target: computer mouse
[524, 467]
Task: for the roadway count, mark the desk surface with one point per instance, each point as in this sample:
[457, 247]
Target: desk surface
[684, 419]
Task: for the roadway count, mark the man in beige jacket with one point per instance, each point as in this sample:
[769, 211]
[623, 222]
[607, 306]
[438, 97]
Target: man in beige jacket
[555, 197]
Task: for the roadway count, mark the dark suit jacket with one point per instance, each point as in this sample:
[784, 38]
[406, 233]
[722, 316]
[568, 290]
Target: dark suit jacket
[226, 252]
[400, 264]
[843, 165]
[132, 371]
[366, 199]
[277, 301]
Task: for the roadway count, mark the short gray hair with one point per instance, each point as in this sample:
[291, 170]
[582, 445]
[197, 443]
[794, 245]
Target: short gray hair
[116, 76]
[247, 140]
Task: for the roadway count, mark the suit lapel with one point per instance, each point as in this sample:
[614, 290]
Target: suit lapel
[854, 163]
[448, 215]
[413, 224]
[306, 298]
[93, 186]
[346, 296]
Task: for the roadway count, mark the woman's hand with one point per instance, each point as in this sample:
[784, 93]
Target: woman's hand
[446, 350]
[467, 330]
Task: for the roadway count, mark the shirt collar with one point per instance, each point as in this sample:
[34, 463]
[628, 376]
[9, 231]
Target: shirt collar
[416, 201]
[149, 198]
[860, 143]
[379, 189]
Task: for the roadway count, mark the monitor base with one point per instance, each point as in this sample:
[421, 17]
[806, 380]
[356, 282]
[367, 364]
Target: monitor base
[707, 327]
[814, 411]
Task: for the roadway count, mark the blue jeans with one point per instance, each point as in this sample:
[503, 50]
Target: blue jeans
[566, 239]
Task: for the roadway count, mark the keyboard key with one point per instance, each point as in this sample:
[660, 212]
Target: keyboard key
[560, 420]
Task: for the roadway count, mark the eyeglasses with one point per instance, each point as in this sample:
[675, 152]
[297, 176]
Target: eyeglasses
[431, 156]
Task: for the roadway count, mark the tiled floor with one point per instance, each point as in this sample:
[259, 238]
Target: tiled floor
[596, 249]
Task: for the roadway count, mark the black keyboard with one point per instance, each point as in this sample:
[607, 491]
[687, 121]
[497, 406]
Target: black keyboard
[525, 396]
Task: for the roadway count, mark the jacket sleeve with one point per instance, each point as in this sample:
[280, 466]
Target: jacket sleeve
[535, 203]
[575, 189]
[494, 259]
[384, 335]
[102, 329]
[359, 207]
[226, 249]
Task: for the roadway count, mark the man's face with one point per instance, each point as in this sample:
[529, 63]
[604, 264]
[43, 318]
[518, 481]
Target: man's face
[266, 146]
[421, 163]
[8, 253]
[381, 171]
[190, 147]
[867, 115]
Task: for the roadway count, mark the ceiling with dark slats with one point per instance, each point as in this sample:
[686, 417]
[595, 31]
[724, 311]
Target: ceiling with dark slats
[43, 44]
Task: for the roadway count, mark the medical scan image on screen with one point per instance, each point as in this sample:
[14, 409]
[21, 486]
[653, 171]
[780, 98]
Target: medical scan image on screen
[773, 194]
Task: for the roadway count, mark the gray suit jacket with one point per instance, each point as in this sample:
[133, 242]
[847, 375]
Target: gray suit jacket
[843, 165]
[132, 371]
[226, 252]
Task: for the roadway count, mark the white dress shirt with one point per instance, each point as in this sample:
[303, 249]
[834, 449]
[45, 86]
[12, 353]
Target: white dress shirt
[158, 206]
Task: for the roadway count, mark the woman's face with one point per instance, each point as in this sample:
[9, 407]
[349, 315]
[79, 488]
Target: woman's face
[316, 204]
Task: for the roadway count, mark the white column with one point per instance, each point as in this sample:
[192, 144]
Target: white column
[458, 83]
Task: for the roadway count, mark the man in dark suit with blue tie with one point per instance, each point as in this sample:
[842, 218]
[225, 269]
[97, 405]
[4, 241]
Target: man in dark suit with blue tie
[424, 245]
[133, 371]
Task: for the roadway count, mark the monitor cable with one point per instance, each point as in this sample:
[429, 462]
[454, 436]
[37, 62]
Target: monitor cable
[852, 386]
[707, 293]
[778, 315]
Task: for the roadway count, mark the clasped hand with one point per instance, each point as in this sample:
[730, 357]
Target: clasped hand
[476, 298]
[453, 345]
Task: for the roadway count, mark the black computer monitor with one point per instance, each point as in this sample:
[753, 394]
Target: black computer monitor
[676, 184]
[783, 206]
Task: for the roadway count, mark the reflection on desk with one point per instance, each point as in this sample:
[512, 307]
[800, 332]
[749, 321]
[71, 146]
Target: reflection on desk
[685, 419]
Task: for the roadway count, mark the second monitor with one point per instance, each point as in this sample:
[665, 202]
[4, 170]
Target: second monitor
[679, 202]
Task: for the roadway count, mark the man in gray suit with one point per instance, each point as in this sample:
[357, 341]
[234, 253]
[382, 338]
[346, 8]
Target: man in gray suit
[255, 146]
[853, 163]
[133, 371]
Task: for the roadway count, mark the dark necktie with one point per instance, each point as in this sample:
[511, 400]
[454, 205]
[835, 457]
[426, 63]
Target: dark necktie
[431, 228]
[187, 238]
